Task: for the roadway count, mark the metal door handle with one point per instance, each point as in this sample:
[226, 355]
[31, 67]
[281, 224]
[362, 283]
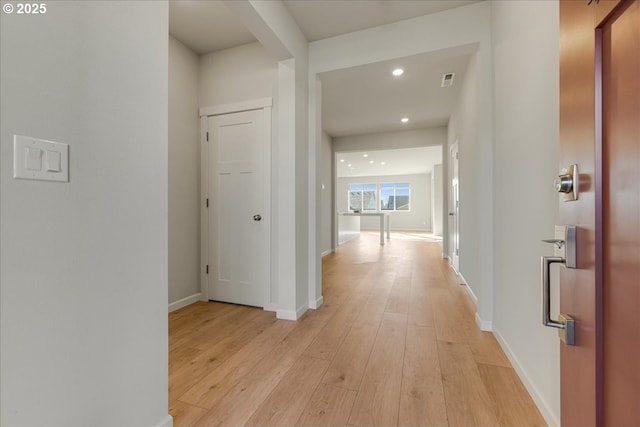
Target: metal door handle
[257, 217]
[565, 324]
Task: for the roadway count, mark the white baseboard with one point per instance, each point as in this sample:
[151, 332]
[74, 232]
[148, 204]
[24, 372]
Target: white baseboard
[317, 303]
[473, 296]
[290, 314]
[184, 302]
[484, 325]
[551, 418]
[327, 252]
[453, 268]
[270, 307]
[165, 422]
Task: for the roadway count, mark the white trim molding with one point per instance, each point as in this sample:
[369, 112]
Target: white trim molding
[317, 303]
[327, 252]
[270, 307]
[290, 314]
[541, 403]
[237, 107]
[165, 422]
[184, 302]
[467, 287]
[484, 325]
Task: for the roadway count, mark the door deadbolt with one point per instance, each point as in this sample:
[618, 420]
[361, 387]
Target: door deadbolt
[567, 183]
[564, 184]
[257, 217]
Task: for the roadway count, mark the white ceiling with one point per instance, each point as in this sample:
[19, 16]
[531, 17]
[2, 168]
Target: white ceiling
[397, 162]
[320, 19]
[206, 25]
[369, 99]
[359, 100]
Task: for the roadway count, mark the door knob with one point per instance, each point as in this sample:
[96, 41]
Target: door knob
[257, 217]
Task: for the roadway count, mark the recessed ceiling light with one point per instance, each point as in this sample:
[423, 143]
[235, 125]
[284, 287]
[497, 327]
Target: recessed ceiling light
[365, 155]
[398, 72]
[404, 119]
[370, 162]
[349, 165]
[382, 163]
[341, 160]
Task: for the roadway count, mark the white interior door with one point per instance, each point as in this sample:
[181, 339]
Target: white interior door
[454, 208]
[238, 211]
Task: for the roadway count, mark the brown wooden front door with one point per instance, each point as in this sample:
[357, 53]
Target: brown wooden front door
[600, 131]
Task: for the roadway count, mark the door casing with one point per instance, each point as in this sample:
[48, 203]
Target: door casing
[454, 206]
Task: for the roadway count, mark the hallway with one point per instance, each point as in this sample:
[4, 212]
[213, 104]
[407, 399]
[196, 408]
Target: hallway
[394, 344]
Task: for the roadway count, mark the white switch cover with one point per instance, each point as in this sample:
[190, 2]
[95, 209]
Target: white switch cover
[28, 159]
[54, 161]
[33, 161]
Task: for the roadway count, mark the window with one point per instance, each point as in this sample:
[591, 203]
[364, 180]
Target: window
[395, 196]
[362, 197]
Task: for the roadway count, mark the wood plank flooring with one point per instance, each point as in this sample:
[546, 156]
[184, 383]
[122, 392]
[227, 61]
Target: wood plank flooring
[395, 344]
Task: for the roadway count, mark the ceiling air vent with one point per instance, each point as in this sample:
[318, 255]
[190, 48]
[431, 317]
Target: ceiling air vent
[447, 79]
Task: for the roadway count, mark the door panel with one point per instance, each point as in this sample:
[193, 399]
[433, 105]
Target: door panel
[237, 241]
[621, 215]
[578, 286]
[599, 130]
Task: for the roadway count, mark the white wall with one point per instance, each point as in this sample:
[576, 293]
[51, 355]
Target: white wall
[463, 128]
[471, 126]
[418, 218]
[237, 74]
[391, 140]
[184, 176]
[525, 38]
[83, 311]
[326, 186]
[437, 200]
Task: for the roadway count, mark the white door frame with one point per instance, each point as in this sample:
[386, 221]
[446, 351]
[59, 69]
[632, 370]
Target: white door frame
[454, 221]
[264, 104]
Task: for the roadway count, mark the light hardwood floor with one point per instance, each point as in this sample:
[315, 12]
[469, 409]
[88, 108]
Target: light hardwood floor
[394, 344]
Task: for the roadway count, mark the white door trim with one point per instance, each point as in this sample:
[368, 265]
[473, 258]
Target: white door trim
[257, 104]
[237, 107]
[454, 173]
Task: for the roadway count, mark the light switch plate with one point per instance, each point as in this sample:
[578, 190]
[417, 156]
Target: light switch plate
[51, 155]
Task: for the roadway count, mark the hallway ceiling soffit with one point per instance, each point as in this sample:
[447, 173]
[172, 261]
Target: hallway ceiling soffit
[361, 100]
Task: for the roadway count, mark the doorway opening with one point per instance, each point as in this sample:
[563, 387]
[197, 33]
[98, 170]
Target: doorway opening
[398, 188]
